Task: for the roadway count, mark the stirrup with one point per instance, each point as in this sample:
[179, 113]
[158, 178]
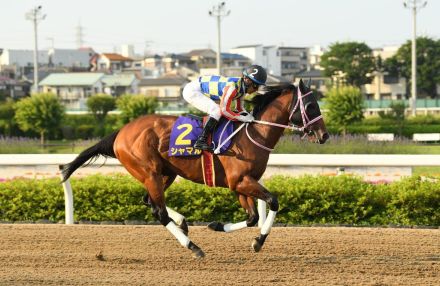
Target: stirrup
[201, 144]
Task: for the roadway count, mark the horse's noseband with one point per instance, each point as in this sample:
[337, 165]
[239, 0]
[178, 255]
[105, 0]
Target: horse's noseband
[302, 108]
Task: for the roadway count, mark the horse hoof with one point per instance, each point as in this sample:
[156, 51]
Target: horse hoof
[216, 226]
[256, 245]
[198, 254]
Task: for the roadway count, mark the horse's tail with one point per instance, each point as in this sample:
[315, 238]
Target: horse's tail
[103, 148]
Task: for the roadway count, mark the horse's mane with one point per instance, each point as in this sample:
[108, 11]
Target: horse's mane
[261, 100]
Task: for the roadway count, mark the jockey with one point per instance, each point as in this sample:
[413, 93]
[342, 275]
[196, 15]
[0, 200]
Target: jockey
[203, 92]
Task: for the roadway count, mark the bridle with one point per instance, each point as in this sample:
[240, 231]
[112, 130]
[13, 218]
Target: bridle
[293, 109]
[305, 118]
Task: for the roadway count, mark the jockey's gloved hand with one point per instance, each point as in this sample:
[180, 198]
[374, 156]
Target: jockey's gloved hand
[246, 118]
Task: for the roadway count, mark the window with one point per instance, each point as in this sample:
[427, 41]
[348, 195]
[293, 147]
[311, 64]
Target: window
[390, 79]
[152, 92]
[370, 96]
[385, 96]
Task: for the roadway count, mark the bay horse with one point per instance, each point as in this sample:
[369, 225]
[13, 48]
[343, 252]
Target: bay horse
[142, 148]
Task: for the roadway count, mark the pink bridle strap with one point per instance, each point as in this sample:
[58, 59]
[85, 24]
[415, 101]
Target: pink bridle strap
[305, 119]
[255, 142]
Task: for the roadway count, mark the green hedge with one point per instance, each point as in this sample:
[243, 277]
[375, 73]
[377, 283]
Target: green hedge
[305, 200]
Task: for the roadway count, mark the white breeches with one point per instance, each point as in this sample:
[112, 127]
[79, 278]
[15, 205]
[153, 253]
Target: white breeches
[192, 93]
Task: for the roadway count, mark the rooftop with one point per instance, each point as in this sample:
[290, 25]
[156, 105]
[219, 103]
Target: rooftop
[247, 46]
[161, 81]
[72, 79]
[119, 79]
[310, 73]
[116, 57]
[230, 56]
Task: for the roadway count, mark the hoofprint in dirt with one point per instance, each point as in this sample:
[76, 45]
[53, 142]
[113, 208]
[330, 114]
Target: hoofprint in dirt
[147, 255]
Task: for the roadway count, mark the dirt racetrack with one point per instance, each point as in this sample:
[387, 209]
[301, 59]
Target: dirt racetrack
[148, 255]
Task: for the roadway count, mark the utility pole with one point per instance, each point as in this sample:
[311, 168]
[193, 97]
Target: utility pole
[35, 16]
[219, 12]
[414, 5]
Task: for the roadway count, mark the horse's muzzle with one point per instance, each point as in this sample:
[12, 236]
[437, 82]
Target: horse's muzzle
[324, 138]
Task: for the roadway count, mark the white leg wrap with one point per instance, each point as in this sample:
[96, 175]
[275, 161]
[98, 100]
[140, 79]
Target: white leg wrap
[178, 218]
[183, 239]
[230, 227]
[267, 226]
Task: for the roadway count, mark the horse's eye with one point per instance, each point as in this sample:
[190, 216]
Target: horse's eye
[310, 107]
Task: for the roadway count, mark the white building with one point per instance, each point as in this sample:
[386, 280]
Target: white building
[278, 60]
[128, 51]
[315, 54]
[69, 58]
[22, 58]
[253, 52]
[383, 85]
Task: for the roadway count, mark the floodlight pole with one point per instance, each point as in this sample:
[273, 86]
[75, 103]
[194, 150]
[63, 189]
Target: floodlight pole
[35, 16]
[414, 5]
[219, 12]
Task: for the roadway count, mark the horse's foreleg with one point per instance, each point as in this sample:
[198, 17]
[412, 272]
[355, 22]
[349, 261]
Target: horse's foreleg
[249, 205]
[252, 188]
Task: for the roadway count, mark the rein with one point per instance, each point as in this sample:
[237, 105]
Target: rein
[305, 119]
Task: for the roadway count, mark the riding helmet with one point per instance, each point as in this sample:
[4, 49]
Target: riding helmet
[256, 73]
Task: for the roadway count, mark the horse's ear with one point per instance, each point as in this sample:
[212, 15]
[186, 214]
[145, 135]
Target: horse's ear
[301, 85]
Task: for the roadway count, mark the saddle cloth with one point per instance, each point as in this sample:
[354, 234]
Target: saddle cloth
[186, 130]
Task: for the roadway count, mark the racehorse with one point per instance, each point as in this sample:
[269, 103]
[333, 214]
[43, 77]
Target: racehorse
[142, 148]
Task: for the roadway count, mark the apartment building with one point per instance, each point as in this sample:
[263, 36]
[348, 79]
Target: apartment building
[278, 60]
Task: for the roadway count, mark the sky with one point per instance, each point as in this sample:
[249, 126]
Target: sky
[178, 26]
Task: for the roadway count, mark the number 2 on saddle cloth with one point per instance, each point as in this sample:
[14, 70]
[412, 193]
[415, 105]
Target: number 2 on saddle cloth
[186, 130]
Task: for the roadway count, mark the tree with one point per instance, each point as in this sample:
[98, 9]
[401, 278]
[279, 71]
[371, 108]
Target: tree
[40, 112]
[7, 121]
[428, 64]
[396, 114]
[100, 105]
[345, 106]
[355, 60]
[133, 106]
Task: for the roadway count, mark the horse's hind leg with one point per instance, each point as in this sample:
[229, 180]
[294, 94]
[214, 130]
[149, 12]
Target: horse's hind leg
[248, 204]
[175, 216]
[155, 186]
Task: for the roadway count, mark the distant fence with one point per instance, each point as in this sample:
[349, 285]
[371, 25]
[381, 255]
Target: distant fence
[417, 137]
[329, 160]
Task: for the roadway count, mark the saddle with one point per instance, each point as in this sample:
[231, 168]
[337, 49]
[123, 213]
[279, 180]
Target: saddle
[186, 129]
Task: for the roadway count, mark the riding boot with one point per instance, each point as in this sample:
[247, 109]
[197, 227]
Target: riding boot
[202, 141]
